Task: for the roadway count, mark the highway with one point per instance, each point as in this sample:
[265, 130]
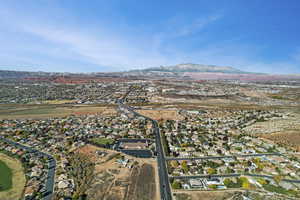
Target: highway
[165, 190]
[51, 170]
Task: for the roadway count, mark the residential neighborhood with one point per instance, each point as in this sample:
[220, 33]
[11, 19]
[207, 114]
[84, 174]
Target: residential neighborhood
[198, 146]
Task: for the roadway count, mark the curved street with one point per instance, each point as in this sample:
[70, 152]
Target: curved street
[49, 186]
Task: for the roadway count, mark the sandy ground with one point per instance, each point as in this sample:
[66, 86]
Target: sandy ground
[18, 179]
[161, 114]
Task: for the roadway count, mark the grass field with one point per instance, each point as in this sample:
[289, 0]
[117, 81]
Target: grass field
[5, 177]
[14, 111]
[17, 178]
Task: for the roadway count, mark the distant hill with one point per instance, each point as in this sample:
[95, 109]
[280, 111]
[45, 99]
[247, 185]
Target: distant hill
[189, 67]
[4, 74]
[10, 74]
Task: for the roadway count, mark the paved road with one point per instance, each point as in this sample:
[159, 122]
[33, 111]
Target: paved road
[232, 175]
[52, 165]
[207, 176]
[221, 157]
[165, 190]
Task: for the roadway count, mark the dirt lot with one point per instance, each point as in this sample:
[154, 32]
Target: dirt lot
[18, 179]
[11, 111]
[114, 181]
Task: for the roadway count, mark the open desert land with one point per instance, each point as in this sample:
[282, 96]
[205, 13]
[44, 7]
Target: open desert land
[135, 181]
[199, 195]
[285, 131]
[17, 178]
[41, 111]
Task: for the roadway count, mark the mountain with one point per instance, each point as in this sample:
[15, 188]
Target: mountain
[189, 67]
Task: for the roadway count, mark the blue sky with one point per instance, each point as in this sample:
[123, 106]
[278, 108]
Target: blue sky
[118, 35]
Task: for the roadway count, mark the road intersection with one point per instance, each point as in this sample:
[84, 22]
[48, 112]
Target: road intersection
[165, 189]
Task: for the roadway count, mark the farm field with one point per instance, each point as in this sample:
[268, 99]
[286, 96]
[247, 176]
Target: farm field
[12, 178]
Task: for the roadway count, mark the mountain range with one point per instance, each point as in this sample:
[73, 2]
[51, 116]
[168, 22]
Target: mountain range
[187, 71]
[190, 67]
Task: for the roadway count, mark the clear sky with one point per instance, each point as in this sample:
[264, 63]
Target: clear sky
[114, 35]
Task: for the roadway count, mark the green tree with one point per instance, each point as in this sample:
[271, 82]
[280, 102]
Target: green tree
[262, 181]
[174, 163]
[228, 183]
[184, 166]
[176, 185]
[277, 178]
[82, 171]
[211, 171]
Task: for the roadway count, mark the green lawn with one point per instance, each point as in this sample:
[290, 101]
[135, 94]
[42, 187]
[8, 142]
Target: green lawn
[5, 177]
[103, 141]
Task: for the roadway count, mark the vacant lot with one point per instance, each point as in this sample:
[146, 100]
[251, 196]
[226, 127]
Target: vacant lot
[142, 183]
[11, 111]
[116, 182]
[17, 175]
